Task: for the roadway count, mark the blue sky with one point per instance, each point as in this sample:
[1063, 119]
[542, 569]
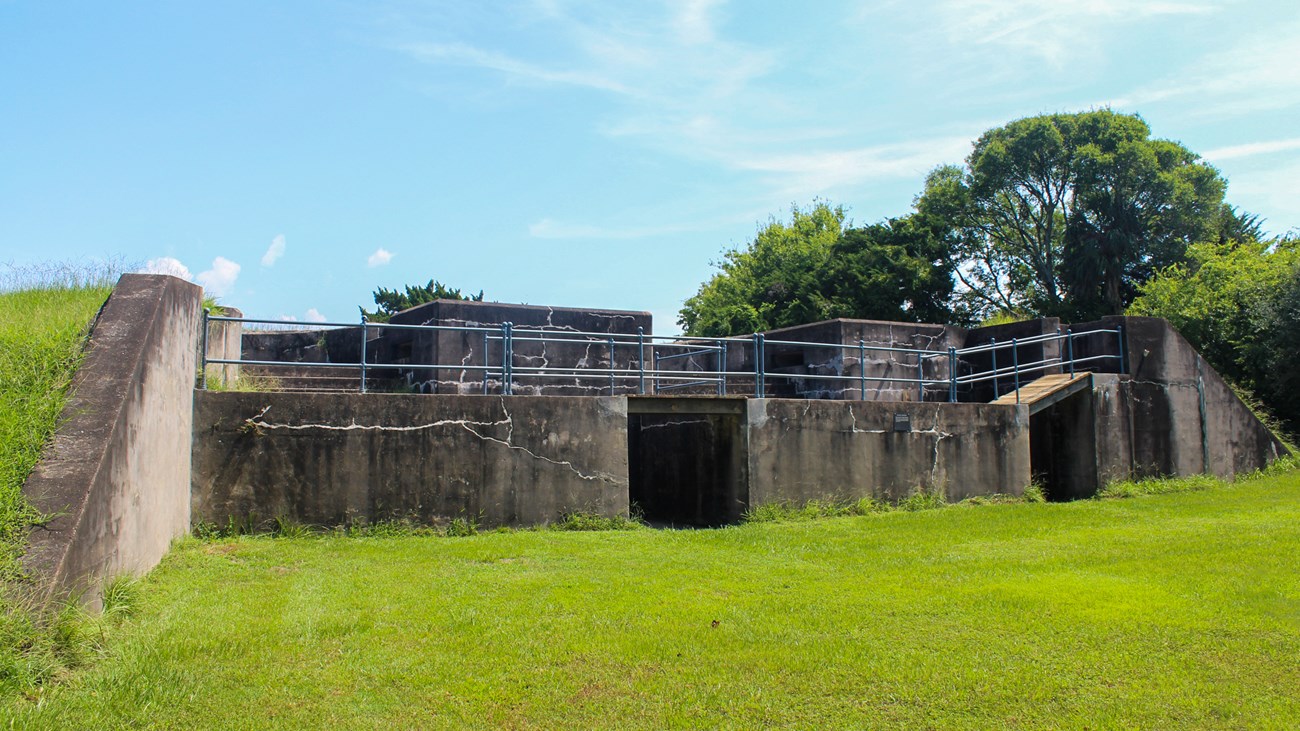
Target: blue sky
[293, 156]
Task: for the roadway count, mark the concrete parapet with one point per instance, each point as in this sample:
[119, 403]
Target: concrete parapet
[116, 478]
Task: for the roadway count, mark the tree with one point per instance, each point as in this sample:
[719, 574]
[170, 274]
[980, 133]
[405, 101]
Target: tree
[895, 270]
[772, 282]
[1067, 214]
[392, 301]
[815, 269]
[1238, 303]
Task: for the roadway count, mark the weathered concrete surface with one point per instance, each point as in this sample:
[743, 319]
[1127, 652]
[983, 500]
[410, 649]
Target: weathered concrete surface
[468, 348]
[117, 475]
[806, 450]
[1186, 419]
[333, 458]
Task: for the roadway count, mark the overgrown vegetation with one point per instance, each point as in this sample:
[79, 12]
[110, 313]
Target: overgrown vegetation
[1084, 614]
[45, 313]
[392, 301]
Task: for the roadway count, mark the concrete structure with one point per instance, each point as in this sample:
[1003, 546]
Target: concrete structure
[330, 459]
[116, 479]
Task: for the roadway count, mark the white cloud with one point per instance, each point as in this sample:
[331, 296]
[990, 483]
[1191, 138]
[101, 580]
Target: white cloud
[274, 251]
[466, 55]
[817, 172]
[1253, 148]
[166, 265]
[379, 258]
[287, 318]
[314, 315]
[220, 279]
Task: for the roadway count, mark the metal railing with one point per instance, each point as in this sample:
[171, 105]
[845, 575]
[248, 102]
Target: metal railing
[662, 364]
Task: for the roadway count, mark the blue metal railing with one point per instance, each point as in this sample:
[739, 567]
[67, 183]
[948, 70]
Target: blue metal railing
[674, 364]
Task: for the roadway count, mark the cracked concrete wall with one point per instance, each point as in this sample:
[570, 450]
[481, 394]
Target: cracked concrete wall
[117, 475]
[468, 348]
[806, 450]
[330, 459]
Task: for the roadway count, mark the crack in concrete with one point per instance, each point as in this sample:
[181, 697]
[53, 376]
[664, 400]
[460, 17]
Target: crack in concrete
[645, 427]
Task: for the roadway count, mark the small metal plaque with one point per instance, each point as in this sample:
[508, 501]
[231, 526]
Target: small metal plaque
[902, 422]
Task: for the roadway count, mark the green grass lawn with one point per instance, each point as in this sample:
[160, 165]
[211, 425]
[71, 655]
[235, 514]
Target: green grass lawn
[1167, 611]
[42, 329]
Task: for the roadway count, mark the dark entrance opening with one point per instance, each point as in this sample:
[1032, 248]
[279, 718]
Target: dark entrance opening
[1063, 448]
[686, 460]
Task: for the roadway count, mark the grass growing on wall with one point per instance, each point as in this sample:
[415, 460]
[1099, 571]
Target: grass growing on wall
[1167, 609]
[44, 316]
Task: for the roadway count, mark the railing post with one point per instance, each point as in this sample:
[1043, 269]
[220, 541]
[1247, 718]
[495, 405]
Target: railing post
[862, 370]
[611, 365]
[485, 362]
[1015, 368]
[758, 365]
[203, 349]
[507, 359]
[1123, 359]
[640, 358]
[1069, 348]
[952, 375]
[1060, 357]
[920, 376]
[363, 354]
[721, 365]
[993, 352]
[722, 372]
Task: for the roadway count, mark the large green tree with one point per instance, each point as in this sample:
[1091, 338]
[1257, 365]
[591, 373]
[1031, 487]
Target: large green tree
[813, 268]
[1067, 214]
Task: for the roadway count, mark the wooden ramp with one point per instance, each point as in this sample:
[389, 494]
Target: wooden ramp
[1047, 390]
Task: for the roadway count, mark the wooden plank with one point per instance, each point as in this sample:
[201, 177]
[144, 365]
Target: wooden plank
[1047, 390]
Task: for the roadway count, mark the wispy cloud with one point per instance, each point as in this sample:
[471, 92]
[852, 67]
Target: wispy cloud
[314, 315]
[818, 172]
[1251, 149]
[550, 229]
[220, 279]
[274, 251]
[1251, 76]
[379, 258]
[513, 68]
[1053, 30]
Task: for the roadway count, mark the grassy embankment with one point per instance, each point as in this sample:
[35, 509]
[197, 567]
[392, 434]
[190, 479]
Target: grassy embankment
[1159, 611]
[44, 316]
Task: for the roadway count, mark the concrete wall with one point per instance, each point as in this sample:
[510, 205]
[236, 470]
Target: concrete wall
[805, 450]
[1185, 418]
[333, 458]
[117, 474]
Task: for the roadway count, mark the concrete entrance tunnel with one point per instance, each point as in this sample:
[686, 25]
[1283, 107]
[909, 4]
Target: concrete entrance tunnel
[687, 460]
[1062, 448]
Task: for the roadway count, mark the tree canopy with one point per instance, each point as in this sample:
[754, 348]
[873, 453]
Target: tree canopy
[1068, 214]
[392, 301]
[815, 268]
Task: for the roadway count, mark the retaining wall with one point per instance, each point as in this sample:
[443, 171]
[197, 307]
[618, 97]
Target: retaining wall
[117, 474]
[331, 459]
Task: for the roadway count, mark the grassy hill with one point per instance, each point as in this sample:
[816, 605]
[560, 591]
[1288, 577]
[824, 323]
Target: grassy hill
[44, 316]
[1160, 611]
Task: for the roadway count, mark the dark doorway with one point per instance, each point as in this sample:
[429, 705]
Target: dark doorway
[1063, 448]
[687, 469]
